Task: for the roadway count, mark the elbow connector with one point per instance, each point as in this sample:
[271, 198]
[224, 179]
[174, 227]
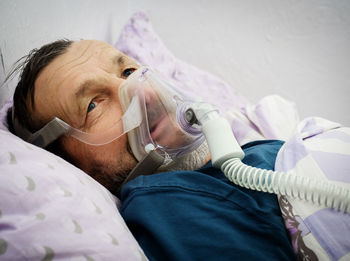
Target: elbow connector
[221, 141]
[217, 131]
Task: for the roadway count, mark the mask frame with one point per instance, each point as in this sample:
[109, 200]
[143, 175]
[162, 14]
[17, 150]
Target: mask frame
[167, 99]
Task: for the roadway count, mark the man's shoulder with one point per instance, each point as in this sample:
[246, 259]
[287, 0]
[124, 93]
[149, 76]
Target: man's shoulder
[262, 153]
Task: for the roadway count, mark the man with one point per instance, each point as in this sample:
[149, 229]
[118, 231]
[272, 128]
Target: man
[176, 215]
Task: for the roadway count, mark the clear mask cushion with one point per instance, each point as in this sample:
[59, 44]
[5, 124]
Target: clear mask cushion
[160, 106]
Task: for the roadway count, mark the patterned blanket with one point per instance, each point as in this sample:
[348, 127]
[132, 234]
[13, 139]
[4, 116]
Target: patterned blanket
[315, 148]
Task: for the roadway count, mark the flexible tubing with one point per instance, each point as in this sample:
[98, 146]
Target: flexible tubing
[287, 184]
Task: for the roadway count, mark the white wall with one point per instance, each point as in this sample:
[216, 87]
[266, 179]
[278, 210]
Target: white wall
[298, 49]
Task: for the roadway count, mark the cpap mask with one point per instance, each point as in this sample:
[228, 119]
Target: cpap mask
[163, 136]
[161, 109]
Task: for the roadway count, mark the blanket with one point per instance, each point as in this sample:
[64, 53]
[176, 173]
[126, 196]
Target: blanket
[315, 148]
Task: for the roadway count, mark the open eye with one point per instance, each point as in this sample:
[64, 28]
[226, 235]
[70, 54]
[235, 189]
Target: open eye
[127, 72]
[91, 106]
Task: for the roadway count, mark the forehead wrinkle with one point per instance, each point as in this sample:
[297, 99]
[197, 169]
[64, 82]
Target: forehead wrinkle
[83, 59]
[83, 53]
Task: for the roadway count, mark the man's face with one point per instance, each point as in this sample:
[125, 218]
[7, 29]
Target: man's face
[77, 87]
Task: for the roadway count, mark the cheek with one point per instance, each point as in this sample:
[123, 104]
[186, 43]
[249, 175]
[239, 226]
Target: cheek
[111, 153]
[112, 158]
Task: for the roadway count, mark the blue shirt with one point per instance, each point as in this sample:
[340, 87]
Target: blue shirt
[201, 215]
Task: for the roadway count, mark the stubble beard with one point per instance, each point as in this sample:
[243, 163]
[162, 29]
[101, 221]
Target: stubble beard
[113, 176]
[191, 161]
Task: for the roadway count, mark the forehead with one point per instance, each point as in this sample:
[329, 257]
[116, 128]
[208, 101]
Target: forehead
[82, 61]
[79, 56]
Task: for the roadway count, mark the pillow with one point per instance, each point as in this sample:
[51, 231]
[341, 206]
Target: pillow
[49, 208]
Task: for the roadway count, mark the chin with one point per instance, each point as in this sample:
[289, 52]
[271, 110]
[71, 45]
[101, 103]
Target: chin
[191, 161]
[110, 167]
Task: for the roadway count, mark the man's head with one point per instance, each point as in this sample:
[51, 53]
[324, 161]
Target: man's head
[76, 82]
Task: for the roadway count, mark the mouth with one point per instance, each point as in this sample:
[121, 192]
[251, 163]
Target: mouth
[157, 129]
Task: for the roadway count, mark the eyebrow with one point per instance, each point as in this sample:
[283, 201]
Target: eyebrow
[83, 88]
[118, 59]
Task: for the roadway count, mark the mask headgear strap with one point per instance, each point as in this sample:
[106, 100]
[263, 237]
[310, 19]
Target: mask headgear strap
[148, 165]
[43, 137]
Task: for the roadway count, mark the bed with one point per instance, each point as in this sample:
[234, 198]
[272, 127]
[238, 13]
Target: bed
[50, 209]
